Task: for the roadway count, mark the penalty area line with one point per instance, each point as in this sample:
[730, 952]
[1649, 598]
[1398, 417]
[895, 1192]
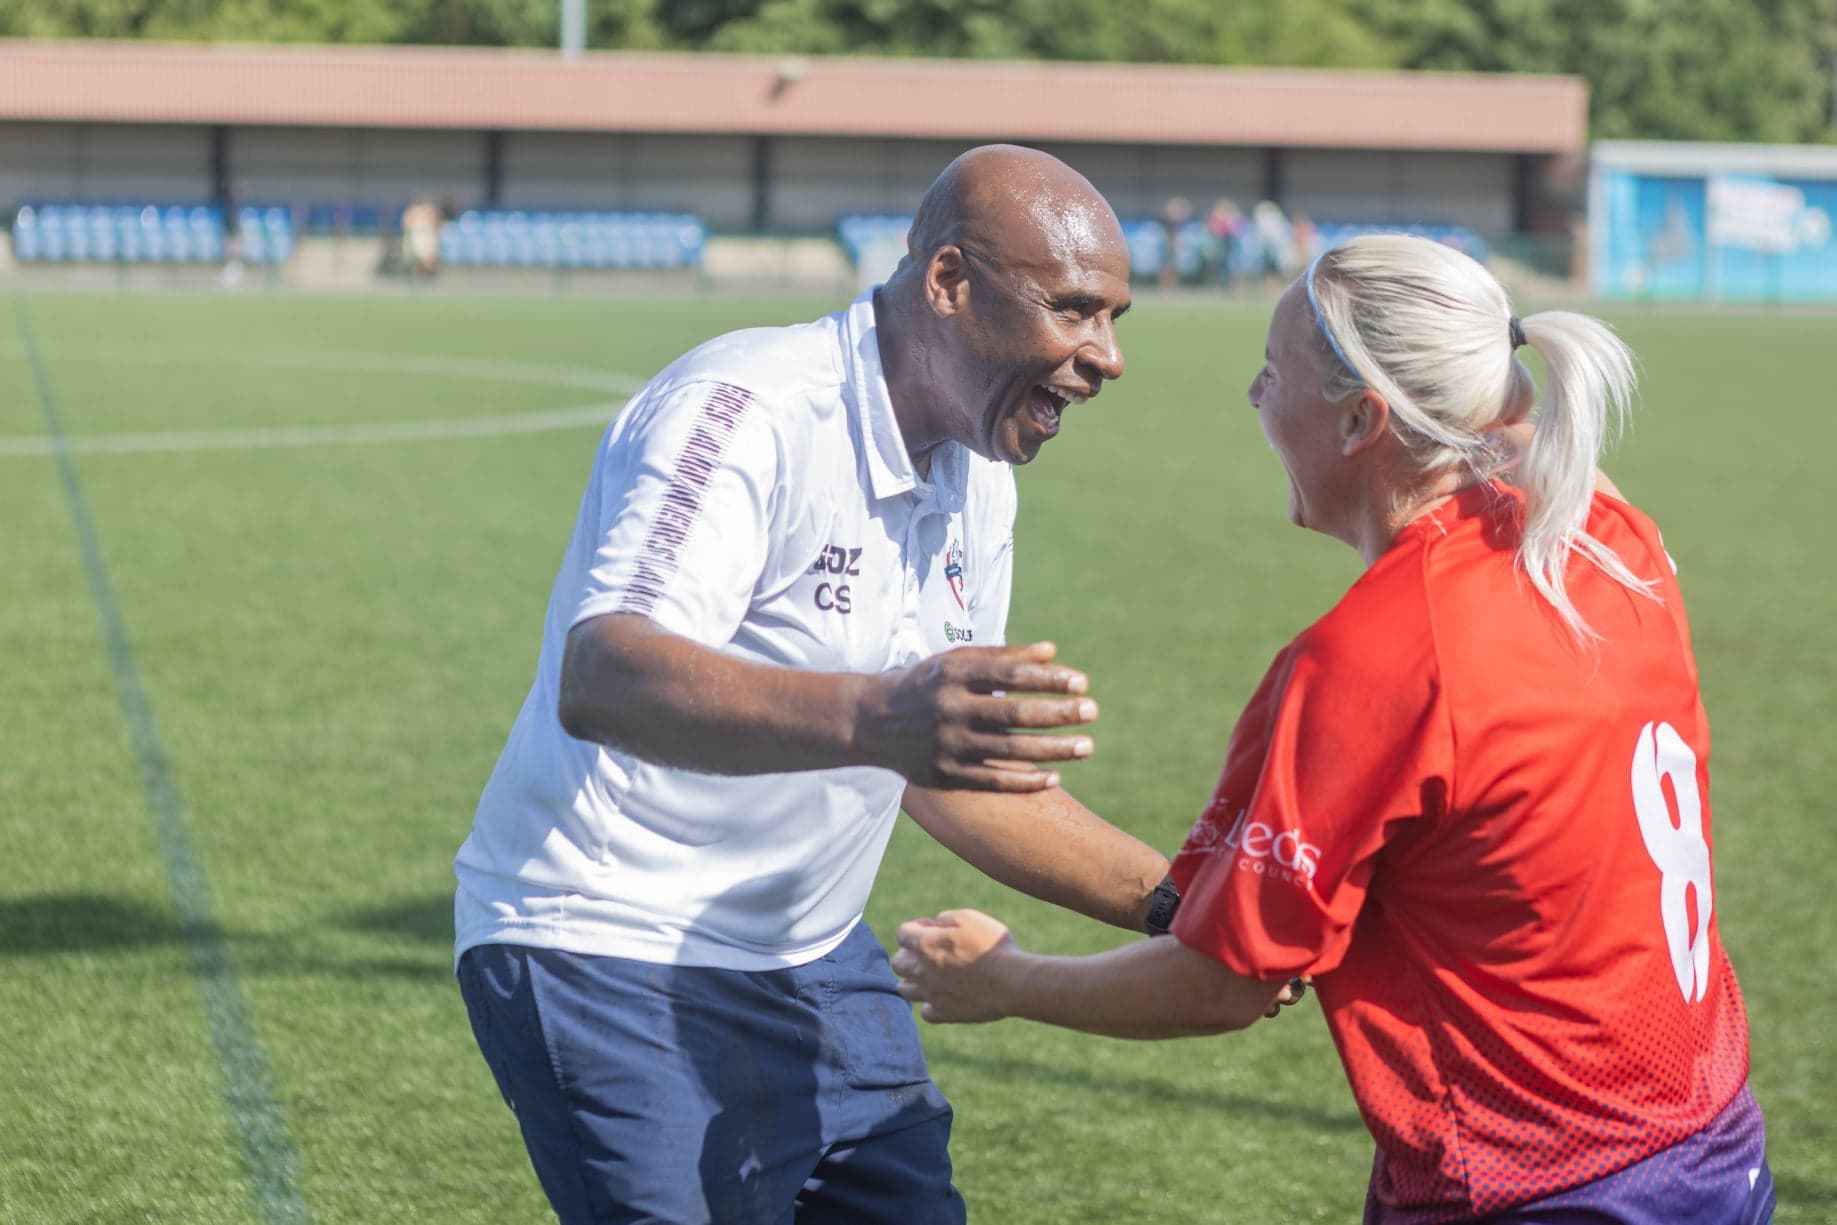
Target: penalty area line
[268, 1157]
[351, 361]
[268, 438]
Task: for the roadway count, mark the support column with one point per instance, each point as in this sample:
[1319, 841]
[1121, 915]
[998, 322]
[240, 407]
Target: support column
[494, 169]
[1524, 193]
[1275, 178]
[220, 166]
[762, 184]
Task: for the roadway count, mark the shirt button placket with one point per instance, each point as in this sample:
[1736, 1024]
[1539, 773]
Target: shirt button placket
[912, 629]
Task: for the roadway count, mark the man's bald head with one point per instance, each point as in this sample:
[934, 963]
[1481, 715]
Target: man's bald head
[1010, 205]
[1002, 314]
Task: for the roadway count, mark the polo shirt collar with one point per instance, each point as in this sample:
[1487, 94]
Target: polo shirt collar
[889, 468]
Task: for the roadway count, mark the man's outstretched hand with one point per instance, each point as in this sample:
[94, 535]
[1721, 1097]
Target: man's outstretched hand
[965, 718]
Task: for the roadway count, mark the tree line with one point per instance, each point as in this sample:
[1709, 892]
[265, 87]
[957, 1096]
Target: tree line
[1657, 69]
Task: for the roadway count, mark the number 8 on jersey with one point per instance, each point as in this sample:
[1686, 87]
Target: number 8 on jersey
[1678, 849]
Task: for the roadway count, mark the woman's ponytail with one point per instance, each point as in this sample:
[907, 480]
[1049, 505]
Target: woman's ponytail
[1588, 387]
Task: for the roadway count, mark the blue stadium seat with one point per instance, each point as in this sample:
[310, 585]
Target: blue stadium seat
[347, 217]
[175, 230]
[534, 238]
[28, 235]
[1330, 234]
[860, 230]
[194, 233]
[277, 225]
[146, 233]
[1146, 237]
[152, 238]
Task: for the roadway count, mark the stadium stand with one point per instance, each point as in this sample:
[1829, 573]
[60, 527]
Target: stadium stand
[267, 234]
[349, 217]
[859, 231]
[1147, 239]
[1330, 234]
[529, 239]
[147, 234]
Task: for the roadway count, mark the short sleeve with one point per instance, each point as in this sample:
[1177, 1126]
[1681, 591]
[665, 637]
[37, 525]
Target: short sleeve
[1336, 755]
[680, 511]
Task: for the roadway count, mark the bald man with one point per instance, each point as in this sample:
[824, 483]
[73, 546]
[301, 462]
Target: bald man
[781, 616]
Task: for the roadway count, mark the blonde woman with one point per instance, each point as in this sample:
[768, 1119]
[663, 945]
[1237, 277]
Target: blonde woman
[1471, 801]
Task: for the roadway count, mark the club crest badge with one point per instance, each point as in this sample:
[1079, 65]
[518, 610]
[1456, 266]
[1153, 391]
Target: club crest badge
[953, 572]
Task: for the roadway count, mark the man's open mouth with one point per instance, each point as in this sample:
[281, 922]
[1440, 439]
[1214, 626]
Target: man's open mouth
[1044, 406]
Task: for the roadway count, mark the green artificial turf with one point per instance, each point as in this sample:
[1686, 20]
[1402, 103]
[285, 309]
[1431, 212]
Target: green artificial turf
[334, 638]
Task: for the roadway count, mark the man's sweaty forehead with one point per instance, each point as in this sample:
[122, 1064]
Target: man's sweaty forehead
[1016, 206]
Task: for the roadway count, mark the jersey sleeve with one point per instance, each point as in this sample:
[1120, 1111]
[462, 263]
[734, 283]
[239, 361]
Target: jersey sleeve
[1335, 756]
[683, 497]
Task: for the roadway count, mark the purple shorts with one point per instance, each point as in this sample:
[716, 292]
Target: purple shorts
[1717, 1177]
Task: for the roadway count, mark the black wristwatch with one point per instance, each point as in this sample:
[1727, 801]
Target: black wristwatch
[1161, 908]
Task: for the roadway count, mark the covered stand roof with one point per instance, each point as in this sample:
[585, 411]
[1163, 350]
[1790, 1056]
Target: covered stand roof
[493, 88]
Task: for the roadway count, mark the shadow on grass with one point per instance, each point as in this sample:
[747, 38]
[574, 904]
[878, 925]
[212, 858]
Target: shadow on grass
[62, 924]
[424, 918]
[39, 924]
[1158, 1092]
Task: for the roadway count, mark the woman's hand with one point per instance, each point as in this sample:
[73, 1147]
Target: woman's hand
[954, 965]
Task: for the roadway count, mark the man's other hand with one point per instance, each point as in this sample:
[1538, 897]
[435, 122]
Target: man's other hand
[966, 718]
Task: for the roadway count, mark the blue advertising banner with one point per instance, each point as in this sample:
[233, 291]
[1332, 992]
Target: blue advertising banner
[1729, 237]
[1656, 240]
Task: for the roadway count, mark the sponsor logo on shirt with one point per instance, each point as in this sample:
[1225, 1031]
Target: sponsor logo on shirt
[1260, 848]
[841, 560]
[837, 559]
[953, 574]
[953, 633]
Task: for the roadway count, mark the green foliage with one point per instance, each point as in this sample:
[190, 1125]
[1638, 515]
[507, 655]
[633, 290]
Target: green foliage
[1662, 69]
[1672, 69]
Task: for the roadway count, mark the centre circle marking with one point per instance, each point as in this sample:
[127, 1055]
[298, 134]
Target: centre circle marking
[620, 387]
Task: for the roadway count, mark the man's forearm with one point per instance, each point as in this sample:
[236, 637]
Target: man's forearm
[942, 721]
[671, 701]
[1047, 845]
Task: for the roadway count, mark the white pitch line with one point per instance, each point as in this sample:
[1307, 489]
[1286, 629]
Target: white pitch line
[255, 438]
[357, 361]
[275, 437]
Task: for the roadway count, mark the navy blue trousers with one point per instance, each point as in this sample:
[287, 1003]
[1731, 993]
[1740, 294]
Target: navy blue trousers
[682, 1095]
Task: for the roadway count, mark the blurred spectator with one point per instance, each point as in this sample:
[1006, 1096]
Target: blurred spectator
[1276, 239]
[421, 239]
[231, 275]
[1305, 238]
[1224, 229]
[1174, 214]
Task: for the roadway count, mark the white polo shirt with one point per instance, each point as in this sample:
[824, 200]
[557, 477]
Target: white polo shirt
[757, 498]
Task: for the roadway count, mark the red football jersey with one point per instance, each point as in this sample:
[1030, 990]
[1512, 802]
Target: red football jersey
[1491, 846]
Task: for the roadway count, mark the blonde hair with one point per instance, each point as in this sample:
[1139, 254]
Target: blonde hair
[1432, 331]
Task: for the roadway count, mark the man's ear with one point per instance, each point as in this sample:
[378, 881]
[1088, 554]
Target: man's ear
[947, 283]
[1363, 420]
